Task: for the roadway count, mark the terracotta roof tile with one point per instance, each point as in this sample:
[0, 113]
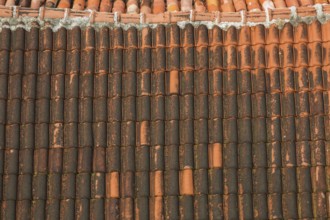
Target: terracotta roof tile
[161, 6]
[165, 122]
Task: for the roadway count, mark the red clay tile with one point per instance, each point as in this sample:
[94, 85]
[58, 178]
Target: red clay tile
[280, 3]
[253, 5]
[291, 3]
[239, 5]
[212, 5]
[227, 6]
[93, 5]
[64, 4]
[78, 5]
[106, 6]
[199, 6]
[158, 7]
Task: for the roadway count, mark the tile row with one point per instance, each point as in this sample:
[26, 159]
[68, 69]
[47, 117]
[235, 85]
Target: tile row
[160, 6]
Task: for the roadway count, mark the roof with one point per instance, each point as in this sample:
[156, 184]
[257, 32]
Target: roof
[165, 122]
[160, 6]
[14, 17]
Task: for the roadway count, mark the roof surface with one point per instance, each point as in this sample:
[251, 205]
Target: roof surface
[15, 16]
[160, 6]
[165, 123]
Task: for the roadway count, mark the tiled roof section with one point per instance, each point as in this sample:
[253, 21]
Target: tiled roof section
[165, 123]
[160, 6]
[56, 18]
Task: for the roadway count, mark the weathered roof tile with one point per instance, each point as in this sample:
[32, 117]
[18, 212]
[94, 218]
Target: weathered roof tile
[153, 123]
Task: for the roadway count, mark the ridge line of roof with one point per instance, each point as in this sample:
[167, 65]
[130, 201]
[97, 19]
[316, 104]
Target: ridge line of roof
[55, 18]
